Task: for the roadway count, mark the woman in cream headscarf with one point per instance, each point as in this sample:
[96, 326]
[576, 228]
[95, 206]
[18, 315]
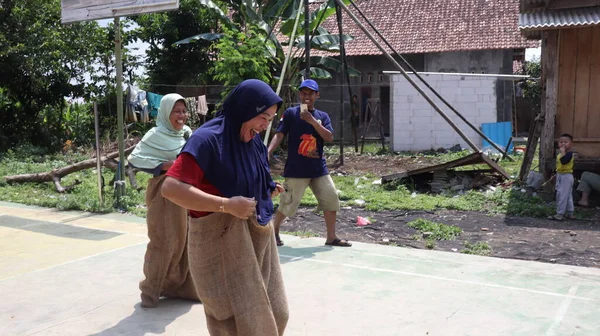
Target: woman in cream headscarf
[166, 265]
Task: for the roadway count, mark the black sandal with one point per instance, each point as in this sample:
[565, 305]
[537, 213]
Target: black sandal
[339, 242]
[279, 241]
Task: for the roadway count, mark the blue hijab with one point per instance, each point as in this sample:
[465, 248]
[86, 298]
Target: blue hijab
[234, 167]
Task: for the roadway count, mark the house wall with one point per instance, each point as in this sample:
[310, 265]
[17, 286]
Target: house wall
[372, 84]
[479, 62]
[375, 84]
[578, 98]
[417, 126]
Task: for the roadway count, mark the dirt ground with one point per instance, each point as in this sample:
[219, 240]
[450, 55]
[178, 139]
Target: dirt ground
[361, 164]
[575, 242]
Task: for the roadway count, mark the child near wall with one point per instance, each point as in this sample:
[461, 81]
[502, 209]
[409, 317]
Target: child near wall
[564, 179]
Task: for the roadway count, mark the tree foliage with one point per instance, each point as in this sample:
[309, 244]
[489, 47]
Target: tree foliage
[42, 61]
[531, 87]
[171, 64]
[242, 55]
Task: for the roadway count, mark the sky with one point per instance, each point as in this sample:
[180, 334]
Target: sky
[136, 48]
[532, 53]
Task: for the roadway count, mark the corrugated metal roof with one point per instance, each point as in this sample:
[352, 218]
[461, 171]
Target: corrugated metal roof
[561, 18]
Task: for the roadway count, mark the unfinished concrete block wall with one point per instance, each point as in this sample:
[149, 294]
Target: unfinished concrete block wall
[416, 126]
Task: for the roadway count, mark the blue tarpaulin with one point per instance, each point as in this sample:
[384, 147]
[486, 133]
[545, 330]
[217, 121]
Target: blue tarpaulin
[499, 133]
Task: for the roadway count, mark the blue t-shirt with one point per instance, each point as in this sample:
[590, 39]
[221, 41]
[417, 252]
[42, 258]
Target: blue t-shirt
[305, 146]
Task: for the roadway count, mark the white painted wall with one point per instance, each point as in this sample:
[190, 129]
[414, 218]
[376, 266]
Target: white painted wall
[417, 126]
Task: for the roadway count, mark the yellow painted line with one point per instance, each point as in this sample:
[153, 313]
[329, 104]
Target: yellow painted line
[81, 219]
[111, 225]
[50, 215]
[36, 246]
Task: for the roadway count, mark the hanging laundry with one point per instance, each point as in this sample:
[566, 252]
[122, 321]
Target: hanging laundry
[202, 105]
[191, 105]
[138, 103]
[153, 103]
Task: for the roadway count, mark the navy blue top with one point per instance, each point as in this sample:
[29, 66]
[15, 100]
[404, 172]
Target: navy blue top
[305, 146]
[234, 167]
[566, 158]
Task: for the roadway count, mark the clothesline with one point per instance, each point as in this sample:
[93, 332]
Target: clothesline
[147, 103]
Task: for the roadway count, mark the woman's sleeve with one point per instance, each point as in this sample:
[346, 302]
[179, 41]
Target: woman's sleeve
[186, 169]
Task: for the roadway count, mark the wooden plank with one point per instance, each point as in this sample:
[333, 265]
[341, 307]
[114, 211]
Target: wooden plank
[563, 4]
[586, 140]
[80, 10]
[495, 166]
[566, 80]
[582, 82]
[550, 56]
[593, 127]
[532, 142]
[471, 159]
[587, 150]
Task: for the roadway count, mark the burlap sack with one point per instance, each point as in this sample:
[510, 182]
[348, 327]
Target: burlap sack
[236, 271]
[166, 266]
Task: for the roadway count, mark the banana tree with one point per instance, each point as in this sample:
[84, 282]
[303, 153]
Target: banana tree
[265, 15]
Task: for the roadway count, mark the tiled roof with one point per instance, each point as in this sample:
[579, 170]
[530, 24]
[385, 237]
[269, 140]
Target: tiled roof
[427, 26]
[518, 68]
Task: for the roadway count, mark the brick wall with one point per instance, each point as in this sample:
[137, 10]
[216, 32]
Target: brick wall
[417, 126]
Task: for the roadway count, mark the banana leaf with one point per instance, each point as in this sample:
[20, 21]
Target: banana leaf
[332, 64]
[203, 36]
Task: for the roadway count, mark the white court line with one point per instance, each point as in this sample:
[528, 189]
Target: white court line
[294, 258]
[352, 251]
[423, 260]
[72, 261]
[562, 311]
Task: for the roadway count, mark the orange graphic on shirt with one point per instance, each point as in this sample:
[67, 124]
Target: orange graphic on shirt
[308, 146]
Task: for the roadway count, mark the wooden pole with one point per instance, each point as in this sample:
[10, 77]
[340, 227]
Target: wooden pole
[120, 184]
[410, 80]
[283, 69]
[338, 13]
[306, 38]
[98, 154]
[550, 46]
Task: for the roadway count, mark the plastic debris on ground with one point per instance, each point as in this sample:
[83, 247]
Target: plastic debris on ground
[362, 221]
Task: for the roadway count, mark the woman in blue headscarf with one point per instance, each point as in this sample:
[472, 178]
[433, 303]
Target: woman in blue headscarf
[166, 267]
[222, 176]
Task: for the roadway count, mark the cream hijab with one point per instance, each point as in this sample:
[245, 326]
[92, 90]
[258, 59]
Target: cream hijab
[162, 143]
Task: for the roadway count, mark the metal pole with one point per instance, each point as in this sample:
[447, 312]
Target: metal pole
[120, 184]
[307, 39]
[338, 14]
[98, 158]
[410, 80]
[473, 127]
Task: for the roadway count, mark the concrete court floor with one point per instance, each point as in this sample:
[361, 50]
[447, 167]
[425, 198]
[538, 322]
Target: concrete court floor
[74, 273]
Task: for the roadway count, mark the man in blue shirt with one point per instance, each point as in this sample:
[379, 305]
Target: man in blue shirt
[308, 129]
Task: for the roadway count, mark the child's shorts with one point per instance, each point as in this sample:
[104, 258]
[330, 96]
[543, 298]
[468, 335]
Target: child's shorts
[322, 187]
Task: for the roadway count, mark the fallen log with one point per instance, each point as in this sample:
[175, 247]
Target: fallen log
[57, 174]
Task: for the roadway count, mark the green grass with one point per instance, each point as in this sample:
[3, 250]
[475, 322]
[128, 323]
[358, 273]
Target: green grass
[481, 248]
[429, 244]
[83, 197]
[439, 231]
[376, 197]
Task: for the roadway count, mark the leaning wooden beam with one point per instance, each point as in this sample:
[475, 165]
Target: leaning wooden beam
[410, 80]
[57, 174]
